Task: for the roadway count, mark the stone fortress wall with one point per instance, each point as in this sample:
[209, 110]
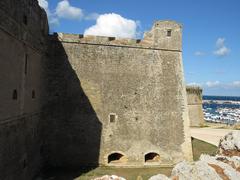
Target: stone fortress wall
[137, 96]
[23, 29]
[195, 109]
[70, 100]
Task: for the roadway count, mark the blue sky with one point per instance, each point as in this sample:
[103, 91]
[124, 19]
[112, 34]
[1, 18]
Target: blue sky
[211, 32]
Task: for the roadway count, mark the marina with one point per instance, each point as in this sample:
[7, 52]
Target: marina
[221, 110]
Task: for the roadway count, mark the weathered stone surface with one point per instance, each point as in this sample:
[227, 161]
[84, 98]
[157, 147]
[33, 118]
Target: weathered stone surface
[198, 171]
[229, 145]
[112, 177]
[159, 177]
[140, 86]
[228, 170]
[233, 161]
[23, 36]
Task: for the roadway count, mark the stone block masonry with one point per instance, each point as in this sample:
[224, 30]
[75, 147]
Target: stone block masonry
[137, 95]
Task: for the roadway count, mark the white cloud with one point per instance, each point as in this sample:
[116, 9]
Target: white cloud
[113, 25]
[213, 84]
[220, 42]
[236, 84]
[194, 84]
[199, 53]
[222, 85]
[52, 19]
[91, 16]
[44, 4]
[222, 50]
[66, 11]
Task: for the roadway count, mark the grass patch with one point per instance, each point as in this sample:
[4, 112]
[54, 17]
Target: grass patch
[200, 147]
[127, 173]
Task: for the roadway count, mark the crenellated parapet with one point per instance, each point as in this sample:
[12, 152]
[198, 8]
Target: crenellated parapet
[164, 35]
[194, 94]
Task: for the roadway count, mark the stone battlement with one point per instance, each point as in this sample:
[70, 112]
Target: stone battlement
[194, 90]
[164, 35]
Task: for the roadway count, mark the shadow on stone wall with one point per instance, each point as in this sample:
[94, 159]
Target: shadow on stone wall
[72, 129]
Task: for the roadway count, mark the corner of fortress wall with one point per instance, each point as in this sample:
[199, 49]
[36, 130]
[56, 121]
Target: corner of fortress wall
[23, 36]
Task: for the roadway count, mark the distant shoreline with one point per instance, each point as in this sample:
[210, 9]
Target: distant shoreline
[221, 98]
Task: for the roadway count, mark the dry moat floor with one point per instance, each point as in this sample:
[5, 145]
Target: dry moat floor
[199, 147]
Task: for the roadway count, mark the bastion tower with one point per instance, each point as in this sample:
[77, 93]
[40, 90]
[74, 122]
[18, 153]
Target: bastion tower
[133, 105]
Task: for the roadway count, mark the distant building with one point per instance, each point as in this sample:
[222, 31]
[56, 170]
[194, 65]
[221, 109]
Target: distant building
[195, 109]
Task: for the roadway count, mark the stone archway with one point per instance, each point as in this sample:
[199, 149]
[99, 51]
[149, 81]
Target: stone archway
[116, 158]
[151, 157]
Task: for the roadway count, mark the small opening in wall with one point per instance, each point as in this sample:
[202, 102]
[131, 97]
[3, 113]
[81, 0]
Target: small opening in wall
[112, 118]
[26, 63]
[25, 19]
[152, 157]
[24, 163]
[116, 158]
[169, 32]
[33, 94]
[14, 95]
[111, 38]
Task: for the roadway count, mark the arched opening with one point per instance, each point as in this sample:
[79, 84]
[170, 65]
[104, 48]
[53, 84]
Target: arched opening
[116, 158]
[152, 157]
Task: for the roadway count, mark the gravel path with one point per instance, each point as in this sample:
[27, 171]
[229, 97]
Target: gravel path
[209, 135]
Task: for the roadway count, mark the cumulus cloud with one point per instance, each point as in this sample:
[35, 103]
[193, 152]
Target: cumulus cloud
[106, 24]
[66, 11]
[222, 50]
[199, 53]
[212, 84]
[52, 19]
[113, 25]
[236, 84]
[91, 16]
[227, 85]
[44, 4]
[194, 84]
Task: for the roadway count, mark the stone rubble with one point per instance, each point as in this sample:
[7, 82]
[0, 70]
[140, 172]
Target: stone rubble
[225, 165]
[112, 177]
[229, 145]
[159, 177]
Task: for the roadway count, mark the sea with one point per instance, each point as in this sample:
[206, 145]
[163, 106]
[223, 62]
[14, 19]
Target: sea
[222, 109]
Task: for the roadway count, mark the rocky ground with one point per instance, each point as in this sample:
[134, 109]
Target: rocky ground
[224, 166]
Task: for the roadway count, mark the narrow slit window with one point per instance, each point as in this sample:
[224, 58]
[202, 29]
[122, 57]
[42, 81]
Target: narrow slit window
[169, 32]
[25, 19]
[14, 95]
[112, 118]
[26, 63]
[33, 94]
